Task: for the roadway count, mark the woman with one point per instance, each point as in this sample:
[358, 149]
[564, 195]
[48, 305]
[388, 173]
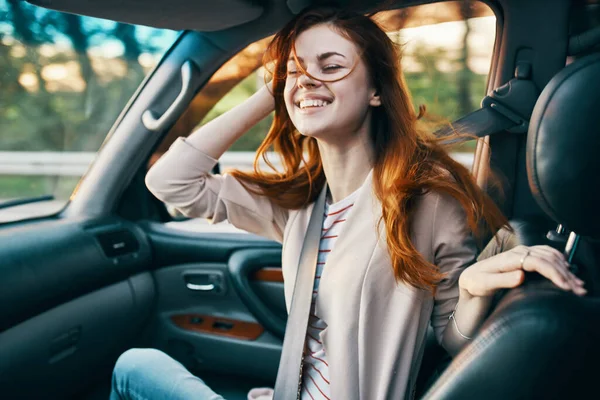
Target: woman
[396, 249]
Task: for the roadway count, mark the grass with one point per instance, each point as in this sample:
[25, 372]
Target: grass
[20, 186]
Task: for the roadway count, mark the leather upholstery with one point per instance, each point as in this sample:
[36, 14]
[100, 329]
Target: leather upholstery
[563, 147]
[541, 342]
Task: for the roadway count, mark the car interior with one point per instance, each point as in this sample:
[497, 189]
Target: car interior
[112, 271]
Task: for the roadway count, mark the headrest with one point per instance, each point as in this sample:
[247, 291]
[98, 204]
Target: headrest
[563, 147]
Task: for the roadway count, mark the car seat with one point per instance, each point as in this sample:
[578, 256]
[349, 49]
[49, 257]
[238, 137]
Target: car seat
[540, 342]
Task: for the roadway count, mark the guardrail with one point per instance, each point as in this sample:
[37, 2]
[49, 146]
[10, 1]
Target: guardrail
[76, 163]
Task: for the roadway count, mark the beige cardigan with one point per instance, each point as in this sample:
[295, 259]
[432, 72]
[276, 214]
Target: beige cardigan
[376, 328]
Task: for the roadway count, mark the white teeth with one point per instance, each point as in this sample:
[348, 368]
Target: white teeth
[313, 103]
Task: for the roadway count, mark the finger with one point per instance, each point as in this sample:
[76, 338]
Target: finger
[549, 258]
[560, 258]
[554, 256]
[512, 260]
[546, 269]
[551, 271]
[575, 285]
[552, 252]
[505, 262]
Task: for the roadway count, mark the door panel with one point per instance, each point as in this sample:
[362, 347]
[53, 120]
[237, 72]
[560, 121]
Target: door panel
[216, 352]
[222, 310]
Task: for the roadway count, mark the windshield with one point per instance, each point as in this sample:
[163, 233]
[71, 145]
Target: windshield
[64, 80]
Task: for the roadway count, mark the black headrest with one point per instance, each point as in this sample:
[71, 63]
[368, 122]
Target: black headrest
[563, 147]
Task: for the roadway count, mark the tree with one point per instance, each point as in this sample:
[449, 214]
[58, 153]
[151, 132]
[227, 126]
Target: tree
[41, 121]
[465, 74]
[133, 49]
[80, 39]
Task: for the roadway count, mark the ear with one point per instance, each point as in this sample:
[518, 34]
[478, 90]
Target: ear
[375, 100]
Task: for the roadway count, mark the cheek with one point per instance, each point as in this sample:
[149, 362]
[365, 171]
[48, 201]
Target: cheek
[288, 96]
[352, 100]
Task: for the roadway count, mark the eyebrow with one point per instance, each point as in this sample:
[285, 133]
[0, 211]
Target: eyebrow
[320, 57]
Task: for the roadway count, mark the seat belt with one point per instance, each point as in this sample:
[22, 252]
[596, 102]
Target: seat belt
[287, 385]
[507, 108]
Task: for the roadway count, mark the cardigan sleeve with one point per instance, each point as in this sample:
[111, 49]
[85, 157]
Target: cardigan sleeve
[181, 178]
[454, 249]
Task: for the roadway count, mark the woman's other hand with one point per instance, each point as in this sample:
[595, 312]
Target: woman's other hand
[507, 270]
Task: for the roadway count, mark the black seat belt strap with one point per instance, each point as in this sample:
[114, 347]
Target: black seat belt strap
[507, 108]
[482, 122]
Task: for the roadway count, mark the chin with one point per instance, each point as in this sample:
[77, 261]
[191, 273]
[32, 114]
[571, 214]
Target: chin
[316, 129]
[312, 132]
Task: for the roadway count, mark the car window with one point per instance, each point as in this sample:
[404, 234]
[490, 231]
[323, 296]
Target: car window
[446, 57]
[64, 80]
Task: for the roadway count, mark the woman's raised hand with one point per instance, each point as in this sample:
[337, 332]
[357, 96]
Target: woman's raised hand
[216, 136]
[507, 270]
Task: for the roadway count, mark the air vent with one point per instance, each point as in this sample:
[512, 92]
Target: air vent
[118, 243]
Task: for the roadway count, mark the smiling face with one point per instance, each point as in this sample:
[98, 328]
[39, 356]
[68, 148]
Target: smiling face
[320, 108]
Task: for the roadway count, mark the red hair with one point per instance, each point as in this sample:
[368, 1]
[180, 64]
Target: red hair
[408, 161]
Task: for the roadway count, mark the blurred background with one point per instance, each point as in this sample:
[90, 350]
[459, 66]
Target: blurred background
[65, 79]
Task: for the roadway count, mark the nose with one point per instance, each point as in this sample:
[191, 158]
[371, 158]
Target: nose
[305, 81]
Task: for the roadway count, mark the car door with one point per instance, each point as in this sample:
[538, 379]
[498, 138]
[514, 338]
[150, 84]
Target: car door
[116, 268]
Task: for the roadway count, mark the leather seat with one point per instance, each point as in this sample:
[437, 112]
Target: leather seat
[541, 342]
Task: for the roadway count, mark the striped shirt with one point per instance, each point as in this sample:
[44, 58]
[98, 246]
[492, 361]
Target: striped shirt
[315, 374]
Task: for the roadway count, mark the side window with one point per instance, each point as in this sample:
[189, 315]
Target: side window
[446, 57]
[65, 79]
[238, 79]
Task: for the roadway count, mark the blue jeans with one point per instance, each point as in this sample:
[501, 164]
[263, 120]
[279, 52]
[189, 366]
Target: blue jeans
[149, 374]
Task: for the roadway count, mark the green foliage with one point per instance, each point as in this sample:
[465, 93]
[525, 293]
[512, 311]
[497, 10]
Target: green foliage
[246, 88]
[60, 92]
[75, 112]
[439, 91]
[19, 186]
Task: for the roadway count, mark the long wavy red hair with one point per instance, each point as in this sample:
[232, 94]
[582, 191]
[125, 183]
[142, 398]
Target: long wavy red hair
[408, 161]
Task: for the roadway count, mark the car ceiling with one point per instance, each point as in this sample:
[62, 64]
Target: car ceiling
[210, 15]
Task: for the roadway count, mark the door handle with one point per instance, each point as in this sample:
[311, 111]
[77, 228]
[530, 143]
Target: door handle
[201, 288]
[205, 281]
[152, 123]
